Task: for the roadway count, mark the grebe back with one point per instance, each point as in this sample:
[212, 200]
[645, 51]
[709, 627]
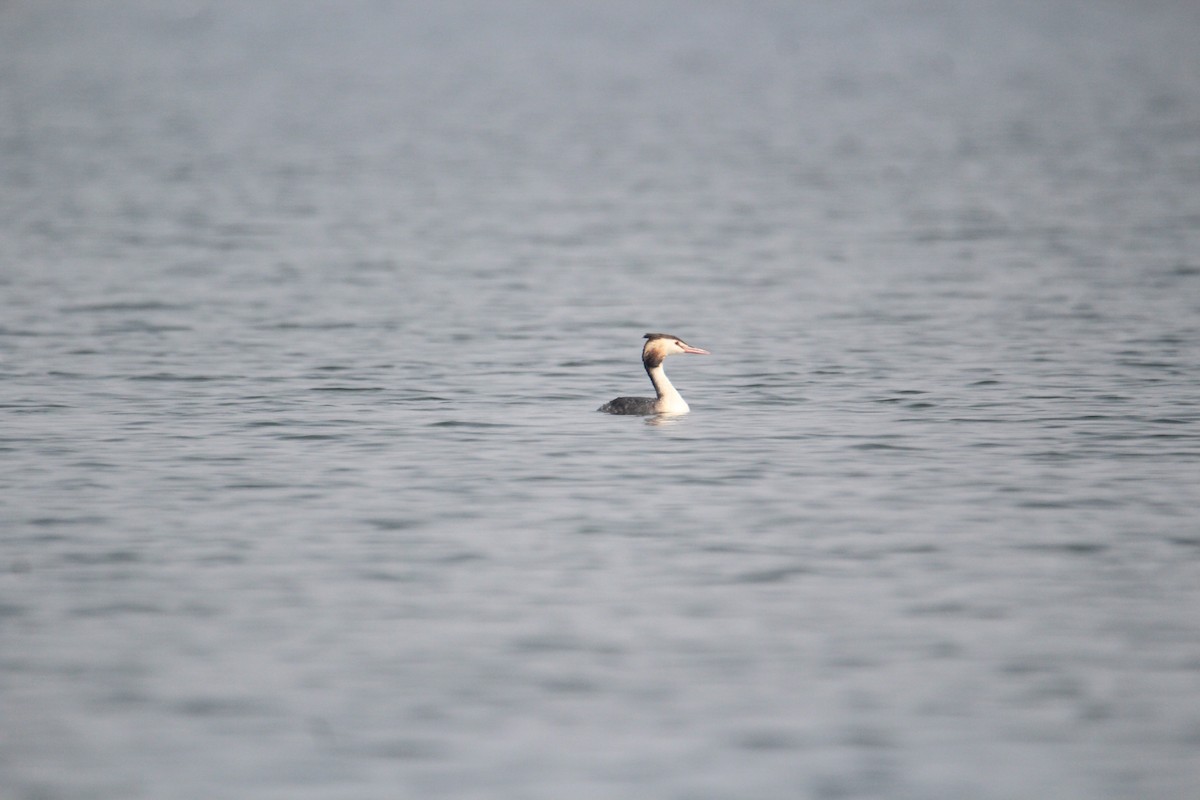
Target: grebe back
[658, 346]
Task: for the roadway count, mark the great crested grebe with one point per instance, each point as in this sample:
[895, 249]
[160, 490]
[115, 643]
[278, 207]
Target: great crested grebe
[658, 346]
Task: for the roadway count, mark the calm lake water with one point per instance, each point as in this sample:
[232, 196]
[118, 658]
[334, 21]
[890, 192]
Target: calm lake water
[306, 309]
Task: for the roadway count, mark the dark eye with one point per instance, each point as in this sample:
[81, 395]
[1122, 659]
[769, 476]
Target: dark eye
[679, 343]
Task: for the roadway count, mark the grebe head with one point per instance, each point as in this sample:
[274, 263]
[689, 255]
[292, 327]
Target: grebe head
[660, 345]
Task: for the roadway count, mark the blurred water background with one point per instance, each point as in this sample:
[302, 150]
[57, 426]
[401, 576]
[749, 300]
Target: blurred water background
[306, 309]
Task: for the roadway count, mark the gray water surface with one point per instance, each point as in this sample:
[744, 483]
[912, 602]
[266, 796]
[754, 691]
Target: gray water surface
[306, 309]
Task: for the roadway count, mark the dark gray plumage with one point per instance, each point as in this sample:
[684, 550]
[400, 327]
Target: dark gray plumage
[629, 405]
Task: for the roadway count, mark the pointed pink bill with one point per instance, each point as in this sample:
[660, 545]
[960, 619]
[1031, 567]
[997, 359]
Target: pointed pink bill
[687, 348]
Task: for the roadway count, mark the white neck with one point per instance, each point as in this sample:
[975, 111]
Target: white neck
[669, 400]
